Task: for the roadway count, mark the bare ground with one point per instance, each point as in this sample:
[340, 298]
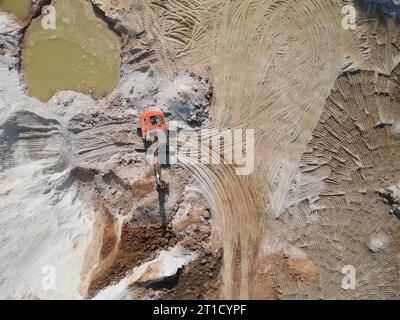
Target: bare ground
[324, 103]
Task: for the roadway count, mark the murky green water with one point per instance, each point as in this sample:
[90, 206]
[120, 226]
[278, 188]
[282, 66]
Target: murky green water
[81, 54]
[20, 8]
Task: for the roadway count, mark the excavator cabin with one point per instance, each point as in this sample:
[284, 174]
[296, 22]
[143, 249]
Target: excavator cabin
[151, 121]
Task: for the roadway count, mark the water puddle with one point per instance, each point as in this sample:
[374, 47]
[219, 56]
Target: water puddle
[19, 8]
[81, 54]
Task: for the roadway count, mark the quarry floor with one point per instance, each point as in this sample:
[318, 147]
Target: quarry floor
[323, 102]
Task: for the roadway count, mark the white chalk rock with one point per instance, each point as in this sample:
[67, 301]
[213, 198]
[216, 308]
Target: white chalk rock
[378, 241]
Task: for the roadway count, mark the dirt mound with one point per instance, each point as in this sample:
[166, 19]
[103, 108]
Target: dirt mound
[198, 280]
[137, 245]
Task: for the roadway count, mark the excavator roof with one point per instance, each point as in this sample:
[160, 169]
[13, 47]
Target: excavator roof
[152, 120]
[151, 113]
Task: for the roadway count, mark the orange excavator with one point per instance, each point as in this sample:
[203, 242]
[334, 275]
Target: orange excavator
[153, 125]
[151, 122]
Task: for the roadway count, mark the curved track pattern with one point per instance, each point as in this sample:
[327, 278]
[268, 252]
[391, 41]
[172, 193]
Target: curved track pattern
[274, 64]
[352, 149]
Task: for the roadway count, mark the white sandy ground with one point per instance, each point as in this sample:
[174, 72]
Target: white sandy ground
[143, 92]
[11, 90]
[39, 229]
[37, 236]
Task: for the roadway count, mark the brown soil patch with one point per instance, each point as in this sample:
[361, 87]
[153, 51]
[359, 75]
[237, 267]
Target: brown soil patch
[302, 269]
[109, 236]
[198, 280]
[264, 287]
[276, 269]
[143, 188]
[191, 220]
[137, 245]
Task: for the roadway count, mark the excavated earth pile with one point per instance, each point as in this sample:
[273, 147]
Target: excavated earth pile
[323, 100]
